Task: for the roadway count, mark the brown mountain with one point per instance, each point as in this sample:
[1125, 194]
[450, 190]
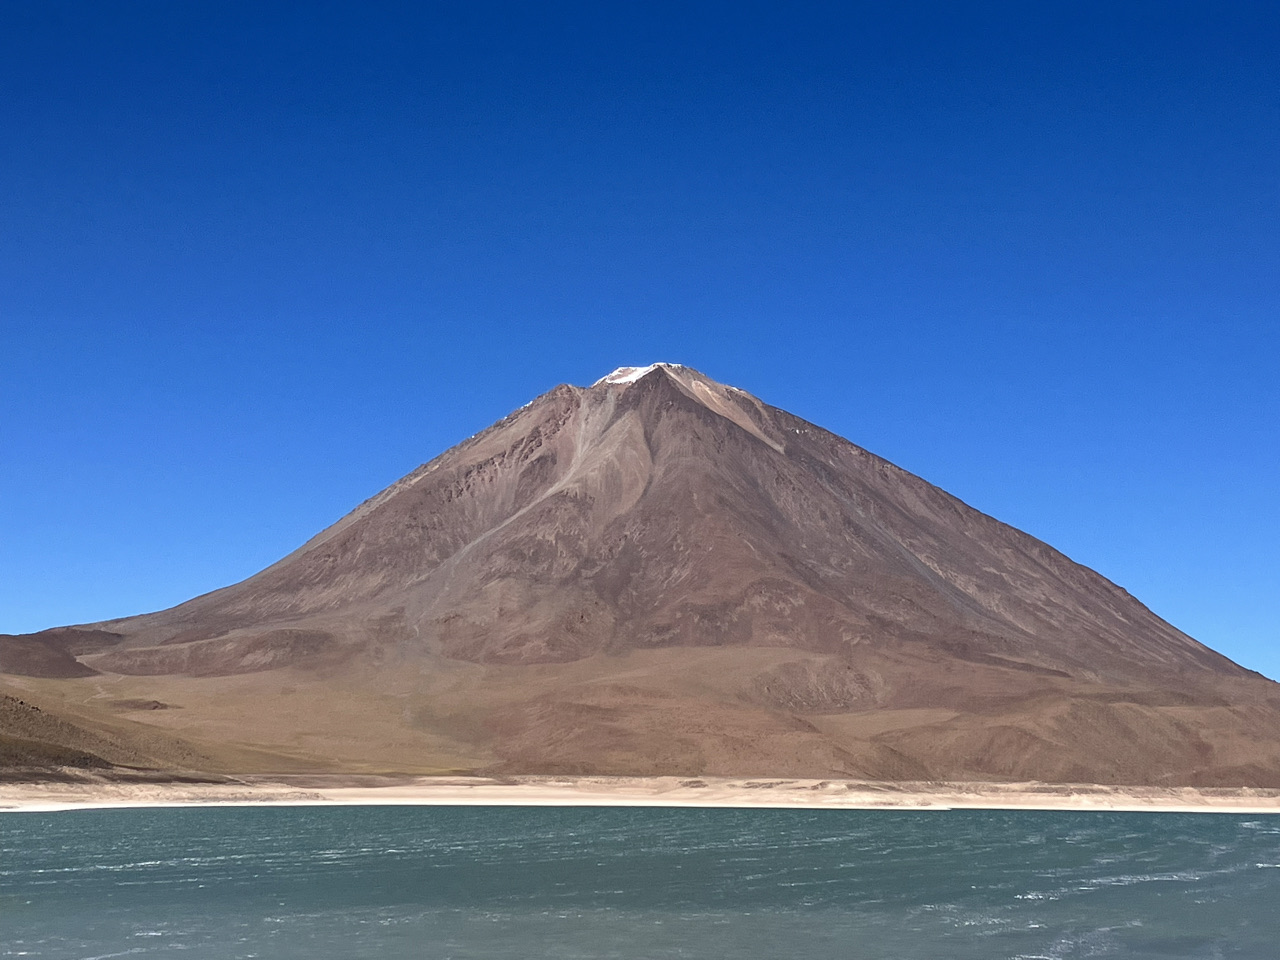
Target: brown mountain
[662, 574]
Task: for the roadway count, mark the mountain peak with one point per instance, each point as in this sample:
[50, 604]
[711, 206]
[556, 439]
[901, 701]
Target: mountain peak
[632, 374]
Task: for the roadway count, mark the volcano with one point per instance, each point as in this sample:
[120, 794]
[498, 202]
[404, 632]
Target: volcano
[661, 574]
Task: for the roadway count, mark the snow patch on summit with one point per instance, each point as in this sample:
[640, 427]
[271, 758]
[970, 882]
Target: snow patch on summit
[632, 374]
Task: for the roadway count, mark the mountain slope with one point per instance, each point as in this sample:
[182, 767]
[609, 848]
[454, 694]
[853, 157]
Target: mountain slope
[660, 573]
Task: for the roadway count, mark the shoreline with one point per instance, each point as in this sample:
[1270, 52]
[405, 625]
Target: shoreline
[90, 792]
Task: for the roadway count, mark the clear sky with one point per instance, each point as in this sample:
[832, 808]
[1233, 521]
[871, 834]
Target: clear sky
[257, 261]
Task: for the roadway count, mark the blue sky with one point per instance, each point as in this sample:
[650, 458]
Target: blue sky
[257, 261]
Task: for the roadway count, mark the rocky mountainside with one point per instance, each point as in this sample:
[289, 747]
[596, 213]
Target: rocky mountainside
[663, 574]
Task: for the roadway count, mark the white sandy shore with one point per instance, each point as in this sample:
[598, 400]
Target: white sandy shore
[630, 791]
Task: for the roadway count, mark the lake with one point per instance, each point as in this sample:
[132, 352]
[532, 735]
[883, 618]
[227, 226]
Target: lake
[636, 882]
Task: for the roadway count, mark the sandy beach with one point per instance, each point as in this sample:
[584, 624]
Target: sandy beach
[85, 791]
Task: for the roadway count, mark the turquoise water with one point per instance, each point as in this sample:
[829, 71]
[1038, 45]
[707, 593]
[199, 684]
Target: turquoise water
[496, 883]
